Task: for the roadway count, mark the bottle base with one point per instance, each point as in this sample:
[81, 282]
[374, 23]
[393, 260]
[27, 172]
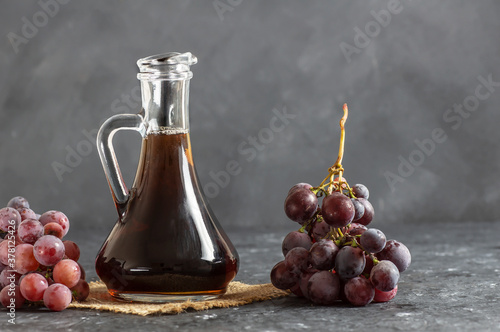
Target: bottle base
[166, 297]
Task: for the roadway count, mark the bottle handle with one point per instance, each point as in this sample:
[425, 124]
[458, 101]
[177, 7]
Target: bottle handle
[119, 189]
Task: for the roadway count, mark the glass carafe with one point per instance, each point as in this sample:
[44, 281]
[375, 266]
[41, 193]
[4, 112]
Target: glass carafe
[166, 245]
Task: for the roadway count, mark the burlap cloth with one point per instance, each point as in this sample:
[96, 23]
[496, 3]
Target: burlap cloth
[237, 294]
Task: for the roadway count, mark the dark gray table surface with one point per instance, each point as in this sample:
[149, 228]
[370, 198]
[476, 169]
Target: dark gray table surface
[452, 285]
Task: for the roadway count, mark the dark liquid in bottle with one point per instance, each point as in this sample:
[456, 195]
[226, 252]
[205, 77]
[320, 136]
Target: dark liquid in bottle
[167, 241]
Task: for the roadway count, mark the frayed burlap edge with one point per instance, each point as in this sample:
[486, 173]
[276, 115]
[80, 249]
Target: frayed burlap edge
[237, 294]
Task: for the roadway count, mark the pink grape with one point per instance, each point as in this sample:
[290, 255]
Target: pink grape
[4, 252]
[9, 217]
[30, 230]
[6, 277]
[25, 259]
[57, 217]
[81, 290]
[18, 202]
[384, 296]
[10, 295]
[49, 250]
[72, 250]
[27, 213]
[57, 297]
[53, 228]
[33, 286]
[67, 272]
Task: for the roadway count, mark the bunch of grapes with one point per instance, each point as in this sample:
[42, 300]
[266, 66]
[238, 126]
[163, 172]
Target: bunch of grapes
[35, 263]
[334, 256]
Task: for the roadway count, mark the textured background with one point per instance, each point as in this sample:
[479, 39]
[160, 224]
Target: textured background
[60, 80]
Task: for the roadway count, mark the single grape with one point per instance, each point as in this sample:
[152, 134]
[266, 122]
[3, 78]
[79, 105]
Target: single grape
[359, 209]
[9, 217]
[57, 217]
[33, 286]
[324, 288]
[369, 212]
[82, 271]
[350, 262]
[295, 239]
[297, 260]
[25, 259]
[397, 253]
[71, 250]
[359, 291]
[27, 213]
[373, 240]
[53, 228]
[295, 289]
[356, 229]
[80, 291]
[360, 191]
[66, 272]
[384, 276]
[337, 210]
[18, 202]
[57, 297]
[301, 185]
[10, 295]
[4, 251]
[30, 230]
[7, 276]
[384, 296]
[320, 230]
[368, 265]
[282, 278]
[49, 250]
[322, 254]
[303, 281]
[301, 205]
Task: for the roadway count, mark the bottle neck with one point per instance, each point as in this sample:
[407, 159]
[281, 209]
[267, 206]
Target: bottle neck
[166, 105]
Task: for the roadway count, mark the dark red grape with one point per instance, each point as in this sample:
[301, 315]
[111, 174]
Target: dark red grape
[356, 229]
[297, 260]
[373, 240]
[282, 278]
[81, 290]
[322, 254]
[368, 265]
[384, 276]
[82, 271]
[360, 191]
[359, 209]
[301, 205]
[350, 262]
[369, 212]
[71, 250]
[397, 253]
[337, 210]
[320, 230]
[303, 281]
[359, 291]
[295, 239]
[301, 185]
[323, 288]
[384, 296]
[18, 202]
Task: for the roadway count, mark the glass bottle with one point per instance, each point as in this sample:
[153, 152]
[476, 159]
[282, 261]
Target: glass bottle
[166, 245]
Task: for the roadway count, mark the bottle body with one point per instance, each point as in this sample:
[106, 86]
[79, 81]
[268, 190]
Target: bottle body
[166, 245]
